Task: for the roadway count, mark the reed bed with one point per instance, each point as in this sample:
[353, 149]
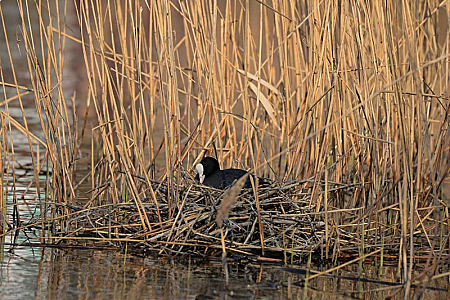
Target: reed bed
[344, 106]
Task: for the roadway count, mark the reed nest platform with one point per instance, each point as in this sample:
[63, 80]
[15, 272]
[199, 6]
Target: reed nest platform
[277, 215]
[277, 220]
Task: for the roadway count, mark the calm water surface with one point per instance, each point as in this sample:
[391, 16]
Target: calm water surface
[36, 273]
[87, 274]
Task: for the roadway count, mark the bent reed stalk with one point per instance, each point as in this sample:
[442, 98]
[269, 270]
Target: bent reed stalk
[345, 105]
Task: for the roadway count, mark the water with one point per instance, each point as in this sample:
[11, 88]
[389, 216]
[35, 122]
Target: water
[89, 274]
[49, 273]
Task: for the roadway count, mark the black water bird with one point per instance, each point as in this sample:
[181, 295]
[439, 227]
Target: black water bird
[210, 174]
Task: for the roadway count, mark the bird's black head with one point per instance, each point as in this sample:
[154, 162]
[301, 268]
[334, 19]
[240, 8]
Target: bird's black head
[206, 167]
[210, 165]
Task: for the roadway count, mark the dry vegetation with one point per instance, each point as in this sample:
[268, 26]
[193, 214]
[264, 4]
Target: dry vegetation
[344, 106]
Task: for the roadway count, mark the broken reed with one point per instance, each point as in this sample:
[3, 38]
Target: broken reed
[355, 93]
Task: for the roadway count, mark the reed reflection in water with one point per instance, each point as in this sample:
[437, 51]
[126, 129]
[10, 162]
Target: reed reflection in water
[37, 273]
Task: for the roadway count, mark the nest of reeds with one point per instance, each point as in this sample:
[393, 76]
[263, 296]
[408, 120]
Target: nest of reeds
[273, 219]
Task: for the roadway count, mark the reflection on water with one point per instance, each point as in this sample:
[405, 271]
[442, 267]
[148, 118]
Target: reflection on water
[88, 274]
[28, 273]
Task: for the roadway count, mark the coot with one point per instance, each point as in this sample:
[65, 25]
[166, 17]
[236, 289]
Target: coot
[210, 174]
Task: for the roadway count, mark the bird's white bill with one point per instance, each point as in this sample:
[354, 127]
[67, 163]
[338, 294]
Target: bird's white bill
[199, 168]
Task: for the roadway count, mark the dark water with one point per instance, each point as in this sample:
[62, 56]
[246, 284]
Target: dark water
[36, 273]
[88, 274]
